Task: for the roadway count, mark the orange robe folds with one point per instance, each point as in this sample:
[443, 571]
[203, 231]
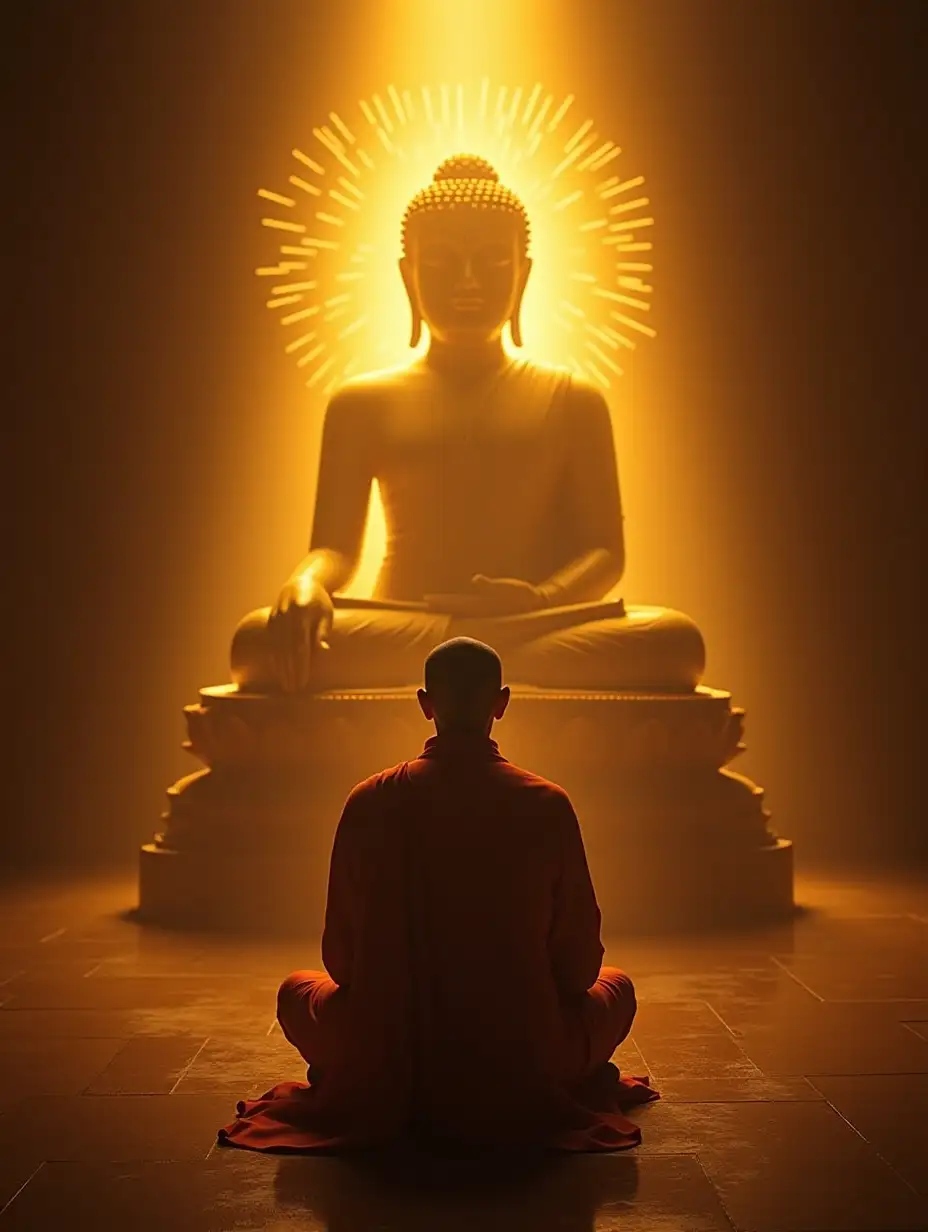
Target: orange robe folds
[465, 1001]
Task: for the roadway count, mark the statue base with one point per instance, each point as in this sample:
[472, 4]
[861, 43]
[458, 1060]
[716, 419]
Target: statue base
[674, 839]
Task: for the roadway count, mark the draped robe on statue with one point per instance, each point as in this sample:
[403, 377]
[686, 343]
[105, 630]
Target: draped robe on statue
[514, 479]
[464, 1002]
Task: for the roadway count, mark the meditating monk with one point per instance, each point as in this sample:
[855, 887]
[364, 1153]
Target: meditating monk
[499, 485]
[464, 1001]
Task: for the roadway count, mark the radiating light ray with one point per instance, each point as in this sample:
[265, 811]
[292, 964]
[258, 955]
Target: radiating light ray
[302, 315]
[321, 370]
[590, 159]
[540, 117]
[383, 113]
[616, 187]
[600, 162]
[308, 162]
[531, 102]
[277, 198]
[284, 267]
[327, 138]
[282, 225]
[599, 375]
[618, 298]
[343, 199]
[622, 246]
[312, 242]
[572, 157]
[342, 127]
[592, 289]
[308, 358]
[393, 95]
[298, 182]
[289, 288]
[576, 195]
[560, 113]
[624, 206]
[578, 135]
[298, 343]
[639, 326]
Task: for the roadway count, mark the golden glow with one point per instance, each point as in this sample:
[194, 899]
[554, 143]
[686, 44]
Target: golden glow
[364, 168]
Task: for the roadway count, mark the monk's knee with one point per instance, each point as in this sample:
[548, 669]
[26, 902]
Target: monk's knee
[293, 992]
[621, 985]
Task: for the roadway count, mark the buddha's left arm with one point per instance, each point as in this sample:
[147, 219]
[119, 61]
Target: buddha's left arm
[593, 503]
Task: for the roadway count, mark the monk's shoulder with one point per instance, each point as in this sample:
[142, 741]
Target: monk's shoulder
[371, 788]
[548, 798]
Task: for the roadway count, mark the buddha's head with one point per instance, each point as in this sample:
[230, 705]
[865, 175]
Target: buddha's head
[465, 255]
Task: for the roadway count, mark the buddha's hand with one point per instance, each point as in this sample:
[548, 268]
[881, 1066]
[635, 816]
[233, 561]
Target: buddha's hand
[507, 596]
[299, 624]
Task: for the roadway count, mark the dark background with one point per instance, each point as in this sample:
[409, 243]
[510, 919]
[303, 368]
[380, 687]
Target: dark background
[156, 463]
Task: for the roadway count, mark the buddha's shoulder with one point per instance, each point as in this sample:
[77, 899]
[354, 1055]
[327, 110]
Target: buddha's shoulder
[577, 389]
[371, 387]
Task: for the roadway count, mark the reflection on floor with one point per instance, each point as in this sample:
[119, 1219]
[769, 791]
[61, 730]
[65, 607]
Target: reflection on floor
[793, 1065]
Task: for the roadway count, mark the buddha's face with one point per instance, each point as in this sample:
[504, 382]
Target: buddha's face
[465, 273]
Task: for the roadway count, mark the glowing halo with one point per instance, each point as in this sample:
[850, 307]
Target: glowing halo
[334, 281]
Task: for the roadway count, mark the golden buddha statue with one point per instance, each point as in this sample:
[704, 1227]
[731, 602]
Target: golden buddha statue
[500, 490]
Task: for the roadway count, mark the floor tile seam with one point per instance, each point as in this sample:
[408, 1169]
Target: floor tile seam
[186, 1070]
[873, 1147]
[715, 1189]
[891, 1073]
[795, 978]
[29, 1179]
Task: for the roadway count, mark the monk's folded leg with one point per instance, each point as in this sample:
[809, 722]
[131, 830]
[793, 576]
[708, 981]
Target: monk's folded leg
[308, 1005]
[607, 1012]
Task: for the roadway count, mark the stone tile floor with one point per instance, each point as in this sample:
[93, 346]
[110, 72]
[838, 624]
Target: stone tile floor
[793, 1064]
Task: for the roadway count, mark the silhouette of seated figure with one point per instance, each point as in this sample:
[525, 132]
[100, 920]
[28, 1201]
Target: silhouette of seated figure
[499, 485]
[463, 1001]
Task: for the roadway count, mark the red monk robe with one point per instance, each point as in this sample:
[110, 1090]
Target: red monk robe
[464, 1000]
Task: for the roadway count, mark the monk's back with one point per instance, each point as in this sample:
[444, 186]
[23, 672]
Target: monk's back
[456, 875]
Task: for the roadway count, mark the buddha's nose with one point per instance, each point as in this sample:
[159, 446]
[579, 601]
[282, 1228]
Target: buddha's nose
[468, 279]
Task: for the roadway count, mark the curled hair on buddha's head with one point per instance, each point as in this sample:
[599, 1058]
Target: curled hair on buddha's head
[466, 182]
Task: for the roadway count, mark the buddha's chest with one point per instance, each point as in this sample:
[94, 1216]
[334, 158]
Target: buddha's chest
[430, 444]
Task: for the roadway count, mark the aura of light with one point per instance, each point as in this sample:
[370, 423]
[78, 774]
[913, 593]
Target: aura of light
[341, 219]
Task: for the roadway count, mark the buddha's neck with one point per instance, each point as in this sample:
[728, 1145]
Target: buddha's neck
[463, 360]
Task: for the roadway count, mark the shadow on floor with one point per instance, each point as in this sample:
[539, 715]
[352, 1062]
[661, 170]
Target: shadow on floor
[418, 1190]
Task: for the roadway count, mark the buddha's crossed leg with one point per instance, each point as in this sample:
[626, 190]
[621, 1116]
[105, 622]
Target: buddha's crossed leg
[647, 648]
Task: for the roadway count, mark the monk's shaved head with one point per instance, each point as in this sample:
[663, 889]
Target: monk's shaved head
[464, 683]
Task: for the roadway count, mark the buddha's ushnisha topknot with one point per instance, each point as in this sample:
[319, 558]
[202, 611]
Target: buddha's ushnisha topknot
[466, 181]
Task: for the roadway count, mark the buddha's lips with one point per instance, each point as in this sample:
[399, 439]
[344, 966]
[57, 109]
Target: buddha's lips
[467, 305]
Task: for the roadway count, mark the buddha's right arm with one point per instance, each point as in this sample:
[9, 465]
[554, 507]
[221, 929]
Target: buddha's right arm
[346, 472]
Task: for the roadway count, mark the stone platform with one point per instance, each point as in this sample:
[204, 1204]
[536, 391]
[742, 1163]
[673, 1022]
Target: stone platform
[674, 838]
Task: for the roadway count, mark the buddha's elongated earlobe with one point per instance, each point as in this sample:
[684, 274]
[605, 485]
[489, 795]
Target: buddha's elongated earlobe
[515, 320]
[406, 275]
[515, 326]
[416, 332]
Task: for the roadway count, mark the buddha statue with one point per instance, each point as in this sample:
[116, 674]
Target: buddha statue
[499, 485]
[500, 490]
